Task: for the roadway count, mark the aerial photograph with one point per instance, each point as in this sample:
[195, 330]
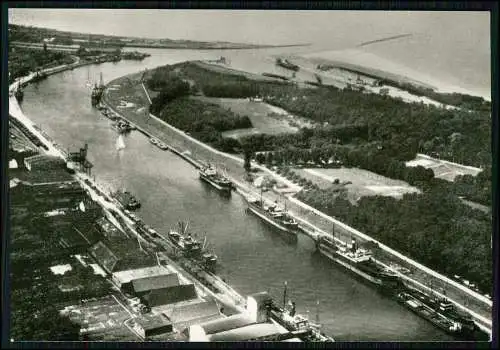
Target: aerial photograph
[244, 175]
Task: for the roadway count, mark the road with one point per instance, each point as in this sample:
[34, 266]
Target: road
[475, 303]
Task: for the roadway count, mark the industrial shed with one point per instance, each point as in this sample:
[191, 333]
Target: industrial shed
[150, 325]
[169, 295]
[44, 162]
[126, 276]
[259, 331]
[141, 286]
[187, 314]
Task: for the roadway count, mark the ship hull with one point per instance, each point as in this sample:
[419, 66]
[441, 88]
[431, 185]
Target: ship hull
[219, 188]
[427, 314]
[334, 257]
[289, 232]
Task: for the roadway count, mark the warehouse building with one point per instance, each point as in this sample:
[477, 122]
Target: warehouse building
[254, 324]
[126, 276]
[149, 325]
[169, 295]
[44, 162]
[142, 286]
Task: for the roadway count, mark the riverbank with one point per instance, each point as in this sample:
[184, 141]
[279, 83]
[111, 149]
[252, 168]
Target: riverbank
[233, 165]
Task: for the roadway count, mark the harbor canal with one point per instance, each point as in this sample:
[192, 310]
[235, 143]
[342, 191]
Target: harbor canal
[252, 256]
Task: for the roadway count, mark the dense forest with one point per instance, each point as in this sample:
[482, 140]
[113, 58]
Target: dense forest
[204, 121]
[23, 61]
[373, 132]
[434, 228]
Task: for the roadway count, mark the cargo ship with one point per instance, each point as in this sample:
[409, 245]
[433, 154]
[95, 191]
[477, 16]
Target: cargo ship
[191, 248]
[425, 311]
[282, 62]
[288, 318]
[127, 200]
[424, 305]
[273, 215]
[210, 175]
[357, 260]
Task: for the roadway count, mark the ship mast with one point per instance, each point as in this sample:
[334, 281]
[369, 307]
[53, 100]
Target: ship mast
[101, 81]
[284, 295]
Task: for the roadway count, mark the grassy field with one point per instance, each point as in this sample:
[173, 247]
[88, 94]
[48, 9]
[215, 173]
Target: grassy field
[263, 117]
[364, 183]
[443, 169]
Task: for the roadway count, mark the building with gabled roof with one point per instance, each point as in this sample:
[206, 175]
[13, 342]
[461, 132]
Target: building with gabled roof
[169, 295]
[141, 286]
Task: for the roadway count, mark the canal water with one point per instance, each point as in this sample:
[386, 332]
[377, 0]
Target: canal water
[252, 256]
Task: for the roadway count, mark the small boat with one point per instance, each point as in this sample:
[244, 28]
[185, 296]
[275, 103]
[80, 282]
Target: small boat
[154, 141]
[162, 146]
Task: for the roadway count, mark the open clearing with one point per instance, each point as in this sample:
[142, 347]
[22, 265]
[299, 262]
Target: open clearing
[364, 183]
[443, 169]
[265, 118]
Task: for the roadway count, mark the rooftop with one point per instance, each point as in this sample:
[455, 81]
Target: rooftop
[170, 295]
[227, 323]
[249, 332]
[149, 321]
[154, 282]
[129, 275]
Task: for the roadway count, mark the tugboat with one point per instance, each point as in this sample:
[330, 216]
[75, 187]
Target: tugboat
[127, 200]
[282, 62]
[358, 260]
[274, 215]
[210, 175]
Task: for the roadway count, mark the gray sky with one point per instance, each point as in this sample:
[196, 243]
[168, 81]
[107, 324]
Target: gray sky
[260, 27]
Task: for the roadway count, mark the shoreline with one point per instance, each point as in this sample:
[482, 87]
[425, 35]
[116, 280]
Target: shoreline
[183, 135]
[403, 75]
[228, 157]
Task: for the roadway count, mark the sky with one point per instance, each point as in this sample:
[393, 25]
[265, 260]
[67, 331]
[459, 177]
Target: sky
[248, 26]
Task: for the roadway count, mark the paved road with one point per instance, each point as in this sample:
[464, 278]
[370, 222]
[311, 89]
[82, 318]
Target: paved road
[476, 303]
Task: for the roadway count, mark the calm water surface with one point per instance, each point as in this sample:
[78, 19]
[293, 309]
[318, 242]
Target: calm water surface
[252, 257]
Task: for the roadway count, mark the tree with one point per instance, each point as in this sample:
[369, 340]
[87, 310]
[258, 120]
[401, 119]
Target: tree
[247, 164]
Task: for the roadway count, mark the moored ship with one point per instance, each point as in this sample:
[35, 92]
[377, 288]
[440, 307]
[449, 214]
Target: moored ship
[424, 310]
[274, 216]
[464, 326]
[191, 248]
[127, 200]
[97, 93]
[357, 260]
[282, 62]
[210, 175]
[19, 93]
